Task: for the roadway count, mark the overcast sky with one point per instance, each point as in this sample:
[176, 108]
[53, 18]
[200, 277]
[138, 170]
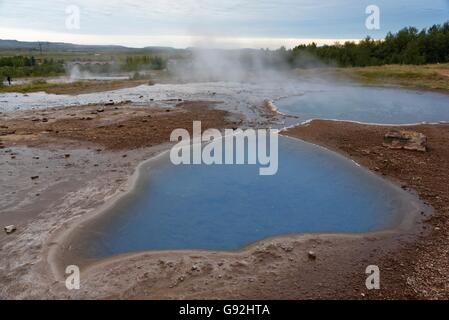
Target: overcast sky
[225, 23]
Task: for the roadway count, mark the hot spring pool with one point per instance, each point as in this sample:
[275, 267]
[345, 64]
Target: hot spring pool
[227, 207]
[368, 104]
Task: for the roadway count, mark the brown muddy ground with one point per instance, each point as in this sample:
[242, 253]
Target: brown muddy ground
[74, 88]
[114, 127]
[278, 268]
[419, 270]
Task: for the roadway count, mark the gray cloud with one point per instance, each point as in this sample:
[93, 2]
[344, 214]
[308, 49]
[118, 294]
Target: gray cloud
[254, 18]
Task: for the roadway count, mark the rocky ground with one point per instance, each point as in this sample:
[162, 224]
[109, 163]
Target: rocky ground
[291, 268]
[418, 270]
[114, 127]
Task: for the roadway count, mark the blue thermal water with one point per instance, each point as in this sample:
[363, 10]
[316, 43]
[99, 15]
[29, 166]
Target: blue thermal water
[368, 104]
[226, 207]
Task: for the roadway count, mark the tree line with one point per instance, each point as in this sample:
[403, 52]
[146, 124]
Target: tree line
[29, 66]
[408, 46]
[137, 63]
[22, 66]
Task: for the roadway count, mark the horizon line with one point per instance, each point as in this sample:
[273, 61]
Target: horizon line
[168, 41]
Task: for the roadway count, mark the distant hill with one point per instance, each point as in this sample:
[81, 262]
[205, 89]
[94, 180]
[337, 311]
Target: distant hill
[69, 47]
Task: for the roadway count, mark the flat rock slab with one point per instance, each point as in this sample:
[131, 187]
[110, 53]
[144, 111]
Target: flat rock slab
[405, 139]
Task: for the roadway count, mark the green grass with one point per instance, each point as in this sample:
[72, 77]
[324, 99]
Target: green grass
[432, 77]
[38, 85]
[427, 77]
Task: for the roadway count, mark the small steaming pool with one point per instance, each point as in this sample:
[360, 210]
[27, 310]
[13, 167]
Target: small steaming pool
[369, 104]
[228, 207]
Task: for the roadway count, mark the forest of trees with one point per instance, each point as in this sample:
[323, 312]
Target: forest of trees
[408, 46]
[29, 66]
[137, 63]
[20, 66]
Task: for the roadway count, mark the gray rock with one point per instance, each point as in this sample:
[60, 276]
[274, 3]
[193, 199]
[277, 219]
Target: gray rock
[405, 139]
[10, 229]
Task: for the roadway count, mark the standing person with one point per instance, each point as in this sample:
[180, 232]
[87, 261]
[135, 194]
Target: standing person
[8, 78]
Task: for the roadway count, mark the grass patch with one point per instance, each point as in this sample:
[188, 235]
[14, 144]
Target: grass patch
[433, 77]
[428, 77]
[34, 86]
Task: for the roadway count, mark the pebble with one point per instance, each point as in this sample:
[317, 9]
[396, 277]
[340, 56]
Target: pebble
[311, 255]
